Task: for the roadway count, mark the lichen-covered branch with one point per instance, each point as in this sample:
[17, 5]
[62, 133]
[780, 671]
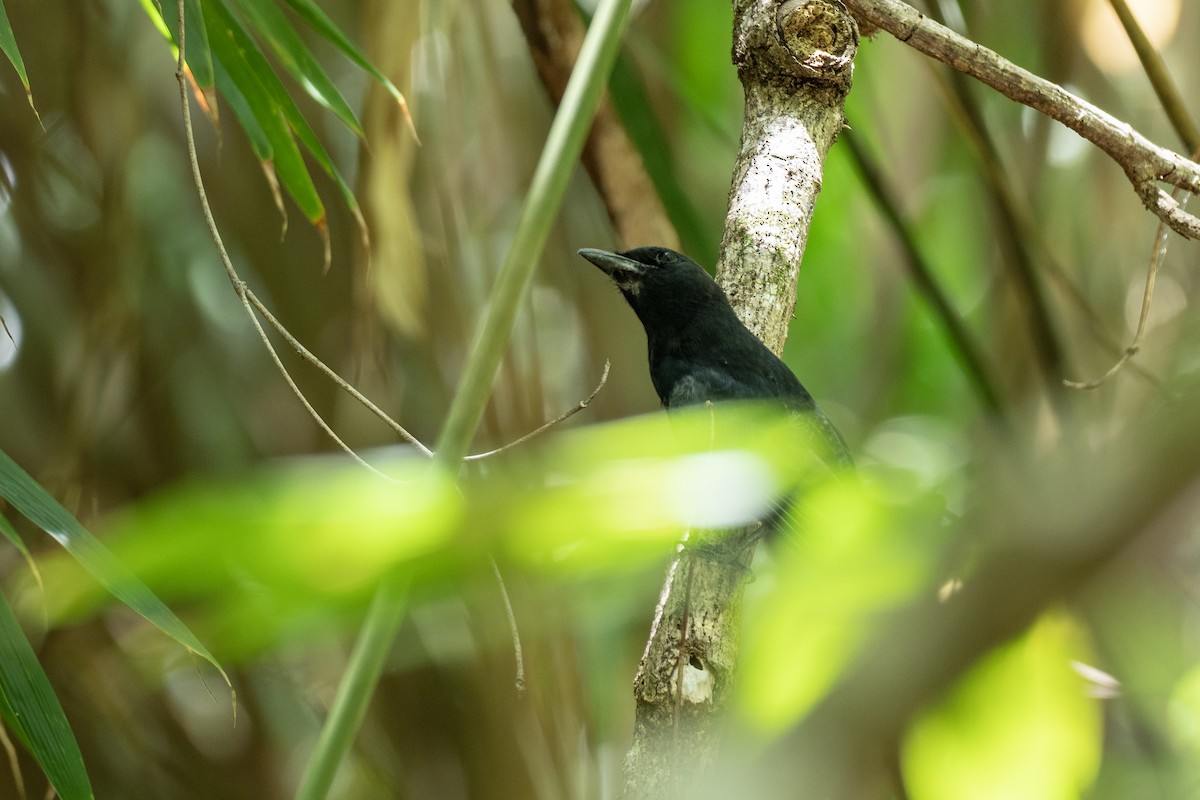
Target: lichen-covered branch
[793, 59]
[1145, 163]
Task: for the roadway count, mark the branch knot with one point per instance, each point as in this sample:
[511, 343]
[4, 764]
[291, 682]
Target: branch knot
[820, 35]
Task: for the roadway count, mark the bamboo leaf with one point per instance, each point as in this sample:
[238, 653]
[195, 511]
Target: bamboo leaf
[322, 24]
[272, 26]
[29, 498]
[31, 709]
[240, 64]
[199, 53]
[278, 94]
[8, 43]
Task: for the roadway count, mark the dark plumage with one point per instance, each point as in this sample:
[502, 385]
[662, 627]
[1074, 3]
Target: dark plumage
[699, 350]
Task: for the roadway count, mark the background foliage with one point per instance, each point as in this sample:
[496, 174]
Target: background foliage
[133, 388]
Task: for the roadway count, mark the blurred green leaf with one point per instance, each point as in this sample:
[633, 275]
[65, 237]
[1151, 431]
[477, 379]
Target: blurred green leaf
[309, 533]
[601, 499]
[28, 497]
[31, 709]
[855, 550]
[1020, 724]
[623, 491]
[8, 43]
[1183, 721]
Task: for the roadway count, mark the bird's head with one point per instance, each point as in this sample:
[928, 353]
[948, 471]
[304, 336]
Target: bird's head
[663, 287]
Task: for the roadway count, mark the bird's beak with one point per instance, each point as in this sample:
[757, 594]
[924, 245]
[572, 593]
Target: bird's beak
[626, 272]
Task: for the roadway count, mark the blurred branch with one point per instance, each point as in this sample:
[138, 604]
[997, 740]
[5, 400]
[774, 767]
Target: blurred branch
[1046, 342]
[922, 275]
[1144, 162]
[1023, 234]
[554, 32]
[1160, 78]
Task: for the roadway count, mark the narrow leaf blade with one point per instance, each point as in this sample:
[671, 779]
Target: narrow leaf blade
[245, 67]
[28, 497]
[8, 43]
[320, 22]
[32, 709]
[199, 53]
[273, 27]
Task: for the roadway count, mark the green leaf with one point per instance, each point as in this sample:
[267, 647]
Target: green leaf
[11, 534]
[295, 119]
[28, 497]
[269, 23]
[31, 709]
[831, 589]
[260, 142]
[1020, 724]
[241, 64]
[8, 43]
[307, 530]
[199, 54]
[322, 24]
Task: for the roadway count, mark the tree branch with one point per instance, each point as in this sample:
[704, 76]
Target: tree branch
[794, 61]
[1144, 163]
[554, 34]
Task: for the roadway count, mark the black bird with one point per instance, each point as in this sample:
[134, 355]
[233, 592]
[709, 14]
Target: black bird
[699, 350]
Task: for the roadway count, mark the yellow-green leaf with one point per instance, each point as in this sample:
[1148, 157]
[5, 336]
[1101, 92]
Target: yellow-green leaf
[1020, 724]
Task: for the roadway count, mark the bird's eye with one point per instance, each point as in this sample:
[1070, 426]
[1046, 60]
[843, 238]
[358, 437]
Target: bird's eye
[665, 257]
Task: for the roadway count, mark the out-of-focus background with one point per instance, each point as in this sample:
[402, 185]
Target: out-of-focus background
[130, 368]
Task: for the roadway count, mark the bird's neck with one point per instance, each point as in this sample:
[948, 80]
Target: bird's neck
[690, 334]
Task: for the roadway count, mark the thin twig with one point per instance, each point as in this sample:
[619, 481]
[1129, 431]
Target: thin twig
[1185, 126]
[1144, 163]
[1157, 256]
[580, 406]
[14, 764]
[518, 656]
[333, 376]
